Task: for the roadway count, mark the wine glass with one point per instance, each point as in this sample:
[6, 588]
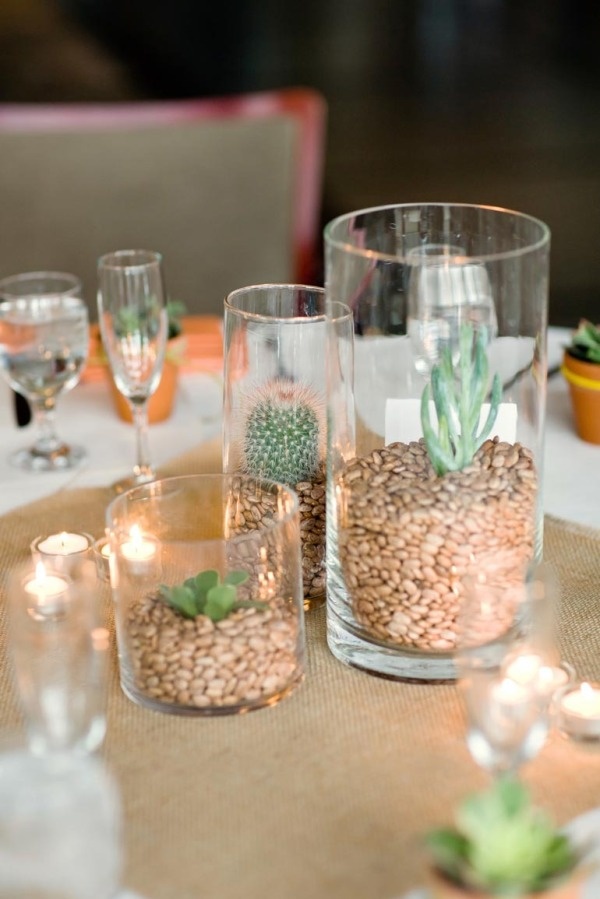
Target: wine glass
[445, 291]
[133, 324]
[43, 349]
[36, 284]
[503, 651]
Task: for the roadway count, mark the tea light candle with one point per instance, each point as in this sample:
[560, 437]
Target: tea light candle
[138, 548]
[63, 544]
[530, 669]
[46, 592]
[66, 551]
[139, 551]
[579, 712]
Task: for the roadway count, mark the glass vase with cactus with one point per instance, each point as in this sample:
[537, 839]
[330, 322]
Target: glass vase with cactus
[274, 410]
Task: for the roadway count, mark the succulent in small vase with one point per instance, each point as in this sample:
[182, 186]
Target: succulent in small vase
[581, 369]
[206, 643]
[206, 594]
[502, 845]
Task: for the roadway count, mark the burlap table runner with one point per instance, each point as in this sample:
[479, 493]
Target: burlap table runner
[327, 794]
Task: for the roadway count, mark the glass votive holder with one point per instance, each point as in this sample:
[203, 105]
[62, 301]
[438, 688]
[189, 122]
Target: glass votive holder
[67, 552]
[59, 651]
[208, 595]
[578, 712]
[101, 551]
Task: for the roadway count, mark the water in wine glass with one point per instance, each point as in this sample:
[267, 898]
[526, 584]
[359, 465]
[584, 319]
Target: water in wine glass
[43, 350]
[133, 323]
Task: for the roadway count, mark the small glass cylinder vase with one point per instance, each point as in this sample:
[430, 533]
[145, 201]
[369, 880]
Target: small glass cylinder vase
[440, 457]
[206, 577]
[275, 400]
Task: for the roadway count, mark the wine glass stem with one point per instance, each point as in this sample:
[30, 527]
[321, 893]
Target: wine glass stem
[43, 415]
[143, 467]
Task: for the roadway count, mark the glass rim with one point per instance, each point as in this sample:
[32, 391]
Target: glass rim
[144, 492]
[116, 260]
[499, 211]
[289, 319]
[23, 277]
[65, 303]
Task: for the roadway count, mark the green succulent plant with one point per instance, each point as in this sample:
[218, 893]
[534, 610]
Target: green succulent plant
[206, 594]
[585, 342]
[502, 844]
[459, 391]
[283, 432]
[129, 318]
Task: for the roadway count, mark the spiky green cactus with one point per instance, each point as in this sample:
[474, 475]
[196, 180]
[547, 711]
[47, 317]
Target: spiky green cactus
[458, 395]
[283, 432]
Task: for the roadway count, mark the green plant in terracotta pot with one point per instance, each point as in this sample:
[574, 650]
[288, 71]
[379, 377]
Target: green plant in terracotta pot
[581, 369]
[503, 846]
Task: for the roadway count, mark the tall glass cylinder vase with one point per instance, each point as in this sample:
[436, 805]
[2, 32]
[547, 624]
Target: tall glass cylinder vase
[439, 460]
[275, 400]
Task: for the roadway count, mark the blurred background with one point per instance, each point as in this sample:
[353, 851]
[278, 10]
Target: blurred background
[487, 101]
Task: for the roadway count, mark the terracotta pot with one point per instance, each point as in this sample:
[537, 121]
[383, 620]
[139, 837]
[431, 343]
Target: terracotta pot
[584, 385]
[441, 888]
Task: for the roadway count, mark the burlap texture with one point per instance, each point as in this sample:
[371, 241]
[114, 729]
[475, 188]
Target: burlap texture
[327, 794]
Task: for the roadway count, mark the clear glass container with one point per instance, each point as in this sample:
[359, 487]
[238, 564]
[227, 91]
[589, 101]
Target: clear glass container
[449, 304]
[206, 577]
[59, 650]
[275, 400]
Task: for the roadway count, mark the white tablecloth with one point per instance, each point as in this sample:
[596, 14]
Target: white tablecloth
[85, 415]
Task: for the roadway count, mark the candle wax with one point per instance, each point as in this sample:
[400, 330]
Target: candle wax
[525, 669]
[63, 544]
[509, 692]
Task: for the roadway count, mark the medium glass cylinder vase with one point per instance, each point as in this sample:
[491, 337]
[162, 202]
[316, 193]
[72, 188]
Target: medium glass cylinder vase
[275, 400]
[439, 459]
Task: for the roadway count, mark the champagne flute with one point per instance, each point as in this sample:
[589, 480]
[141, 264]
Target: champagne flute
[133, 324]
[43, 349]
[501, 630]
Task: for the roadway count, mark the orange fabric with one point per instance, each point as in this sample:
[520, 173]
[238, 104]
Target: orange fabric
[203, 348]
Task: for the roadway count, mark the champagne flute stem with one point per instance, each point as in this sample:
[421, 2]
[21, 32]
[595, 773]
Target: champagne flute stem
[46, 441]
[142, 469]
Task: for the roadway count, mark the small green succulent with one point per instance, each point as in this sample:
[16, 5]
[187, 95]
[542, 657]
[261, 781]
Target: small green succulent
[459, 392]
[585, 342]
[206, 594]
[502, 844]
